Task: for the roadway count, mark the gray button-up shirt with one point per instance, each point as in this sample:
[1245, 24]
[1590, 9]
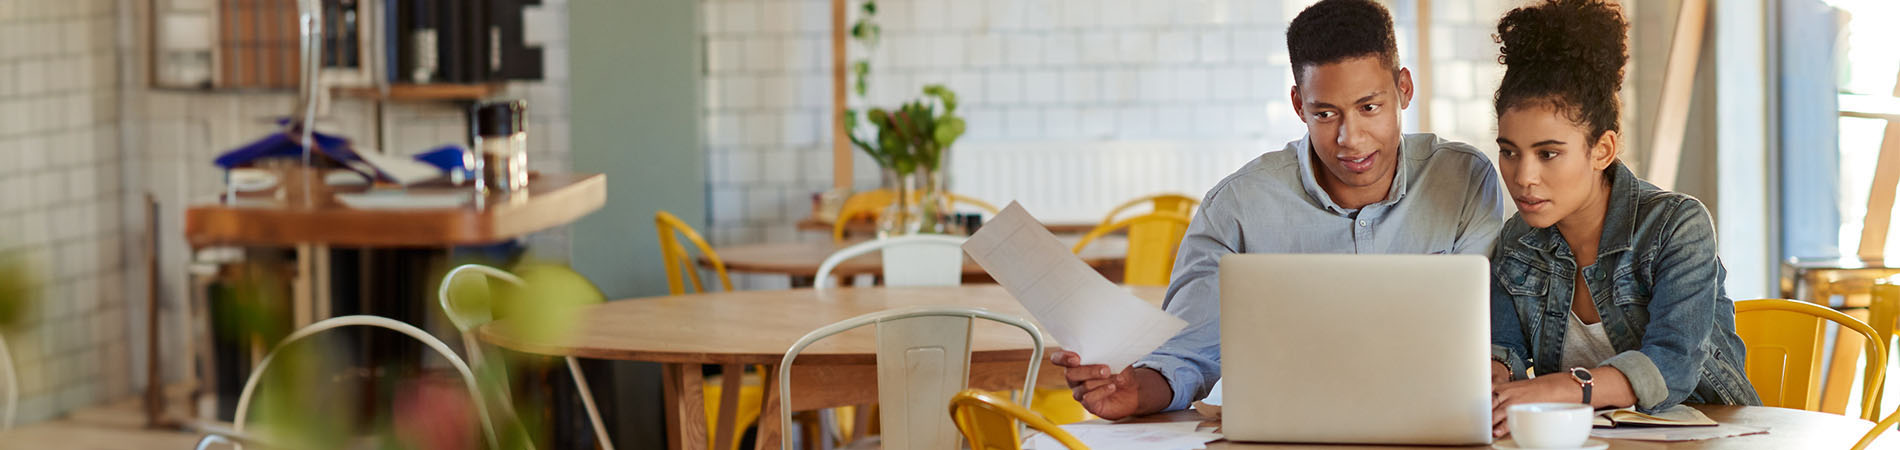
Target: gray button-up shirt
[1445, 199]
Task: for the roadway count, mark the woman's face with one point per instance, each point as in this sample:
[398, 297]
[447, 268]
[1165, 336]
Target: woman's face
[1549, 164]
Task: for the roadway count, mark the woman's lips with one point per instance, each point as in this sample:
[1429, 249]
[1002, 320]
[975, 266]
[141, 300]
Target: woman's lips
[1531, 204]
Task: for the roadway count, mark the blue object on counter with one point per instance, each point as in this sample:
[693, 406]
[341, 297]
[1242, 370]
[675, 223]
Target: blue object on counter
[281, 144]
[449, 158]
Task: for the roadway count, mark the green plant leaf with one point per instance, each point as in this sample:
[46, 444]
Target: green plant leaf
[949, 128]
[870, 8]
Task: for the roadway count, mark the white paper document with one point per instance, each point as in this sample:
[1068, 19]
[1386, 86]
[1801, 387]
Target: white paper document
[1144, 436]
[1084, 312]
[1676, 434]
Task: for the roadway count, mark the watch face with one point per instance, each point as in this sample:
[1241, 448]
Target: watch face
[1581, 374]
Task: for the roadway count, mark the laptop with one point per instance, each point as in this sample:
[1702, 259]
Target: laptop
[1356, 349]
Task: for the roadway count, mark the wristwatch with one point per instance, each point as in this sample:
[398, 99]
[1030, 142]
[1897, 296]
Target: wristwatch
[1584, 379]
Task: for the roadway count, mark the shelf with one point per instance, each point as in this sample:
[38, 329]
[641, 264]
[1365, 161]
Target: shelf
[423, 92]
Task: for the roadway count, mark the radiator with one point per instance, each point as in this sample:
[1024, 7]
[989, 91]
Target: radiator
[1079, 181]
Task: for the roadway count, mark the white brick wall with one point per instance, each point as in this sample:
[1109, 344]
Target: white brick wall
[59, 170]
[82, 139]
[1032, 70]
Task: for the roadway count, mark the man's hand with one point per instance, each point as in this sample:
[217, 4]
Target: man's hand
[1552, 388]
[1108, 396]
[1500, 374]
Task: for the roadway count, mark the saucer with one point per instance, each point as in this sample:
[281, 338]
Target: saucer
[1511, 444]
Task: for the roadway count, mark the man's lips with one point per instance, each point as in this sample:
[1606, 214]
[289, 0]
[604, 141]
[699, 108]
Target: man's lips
[1358, 164]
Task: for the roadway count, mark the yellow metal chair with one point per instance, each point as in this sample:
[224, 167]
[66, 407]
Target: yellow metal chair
[1152, 240]
[1784, 340]
[1169, 202]
[679, 264]
[988, 421]
[1883, 311]
[873, 202]
[679, 270]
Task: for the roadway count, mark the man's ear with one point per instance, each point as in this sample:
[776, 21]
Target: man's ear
[1405, 88]
[1607, 148]
[1299, 107]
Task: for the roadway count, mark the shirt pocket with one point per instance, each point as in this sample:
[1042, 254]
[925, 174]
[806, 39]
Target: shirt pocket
[1521, 279]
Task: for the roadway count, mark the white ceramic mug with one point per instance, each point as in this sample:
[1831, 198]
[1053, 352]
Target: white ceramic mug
[1550, 425]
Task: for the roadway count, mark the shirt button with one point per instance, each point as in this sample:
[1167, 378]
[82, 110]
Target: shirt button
[1363, 224]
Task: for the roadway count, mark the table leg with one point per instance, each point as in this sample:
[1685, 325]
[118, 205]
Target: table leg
[726, 427]
[686, 406]
[769, 411]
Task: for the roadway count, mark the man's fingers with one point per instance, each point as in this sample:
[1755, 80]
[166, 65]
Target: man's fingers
[1077, 375]
[1064, 358]
[1096, 396]
[1098, 384]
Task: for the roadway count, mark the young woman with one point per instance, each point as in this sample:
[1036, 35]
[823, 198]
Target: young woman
[1608, 287]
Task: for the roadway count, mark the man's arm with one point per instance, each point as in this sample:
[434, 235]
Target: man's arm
[1188, 364]
[1483, 214]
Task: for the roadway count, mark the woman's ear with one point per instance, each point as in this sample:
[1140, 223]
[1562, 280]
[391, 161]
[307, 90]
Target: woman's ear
[1607, 148]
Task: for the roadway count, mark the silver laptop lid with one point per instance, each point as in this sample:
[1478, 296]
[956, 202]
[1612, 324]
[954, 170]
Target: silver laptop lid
[1372, 349]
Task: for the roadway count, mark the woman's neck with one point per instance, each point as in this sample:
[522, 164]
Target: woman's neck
[1583, 229]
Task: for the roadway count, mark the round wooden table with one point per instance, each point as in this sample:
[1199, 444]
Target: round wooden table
[800, 260]
[735, 329]
[1787, 429]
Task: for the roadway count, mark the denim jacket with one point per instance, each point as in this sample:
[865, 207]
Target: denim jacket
[1657, 284]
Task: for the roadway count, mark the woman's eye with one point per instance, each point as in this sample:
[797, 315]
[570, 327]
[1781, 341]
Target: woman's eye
[1547, 155]
[1507, 154]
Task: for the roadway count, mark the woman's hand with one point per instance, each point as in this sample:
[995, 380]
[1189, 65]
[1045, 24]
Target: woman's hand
[1552, 388]
[1500, 374]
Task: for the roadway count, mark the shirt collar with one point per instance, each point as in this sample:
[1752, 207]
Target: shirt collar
[1303, 149]
[1619, 222]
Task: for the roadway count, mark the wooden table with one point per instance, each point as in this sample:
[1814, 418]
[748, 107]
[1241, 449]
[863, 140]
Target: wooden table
[866, 227]
[549, 201]
[800, 260]
[1788, 429]
[756, 327]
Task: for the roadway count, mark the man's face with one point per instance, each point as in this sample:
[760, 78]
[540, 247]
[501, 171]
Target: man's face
[1351, 109]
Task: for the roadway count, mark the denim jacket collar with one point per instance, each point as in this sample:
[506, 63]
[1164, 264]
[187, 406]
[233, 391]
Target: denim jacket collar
[1619, 221]
[1310, 180]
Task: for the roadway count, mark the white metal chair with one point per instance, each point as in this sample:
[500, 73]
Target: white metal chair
[916, 260]
[466, 317]
[468, 377]
[923, 359]
[13, 386]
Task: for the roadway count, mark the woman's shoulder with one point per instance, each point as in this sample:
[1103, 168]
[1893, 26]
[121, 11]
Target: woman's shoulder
[1666, 206]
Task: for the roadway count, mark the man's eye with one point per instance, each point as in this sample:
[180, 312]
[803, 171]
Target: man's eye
[1324, 115]
[1370, 108]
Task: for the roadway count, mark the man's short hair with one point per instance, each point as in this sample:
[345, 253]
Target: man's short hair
[1337, 30]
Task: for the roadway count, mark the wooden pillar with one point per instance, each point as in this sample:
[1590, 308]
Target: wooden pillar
[841, 173]
[1672, 115]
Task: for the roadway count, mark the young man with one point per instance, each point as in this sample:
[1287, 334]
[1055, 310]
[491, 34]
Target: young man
[1354, 184]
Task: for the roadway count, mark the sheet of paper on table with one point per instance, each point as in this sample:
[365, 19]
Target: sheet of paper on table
[1085, 313]
[1100, 435]
[1676, 434]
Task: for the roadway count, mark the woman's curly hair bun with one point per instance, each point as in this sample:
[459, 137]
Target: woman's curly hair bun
[1567, 54]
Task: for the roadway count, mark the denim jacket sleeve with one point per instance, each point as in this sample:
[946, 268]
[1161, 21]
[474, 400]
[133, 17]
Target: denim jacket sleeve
[1667, 368]
[1190, 361]
[1507, 333]
[1483, 215]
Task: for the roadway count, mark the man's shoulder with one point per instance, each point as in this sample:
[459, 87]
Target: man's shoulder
[1278, 168]
[1444, 154]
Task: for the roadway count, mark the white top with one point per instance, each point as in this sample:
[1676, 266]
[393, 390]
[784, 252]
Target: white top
[1585, 345]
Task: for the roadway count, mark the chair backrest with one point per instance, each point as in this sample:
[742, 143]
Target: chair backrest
[923, 359]
[916, 260]
[679, 264]
[1883, 311]
[12, 400]
[1167, 202]
[873, 202]
[1784, 340]
[468, 376]
[1152, 241]
[989, 422]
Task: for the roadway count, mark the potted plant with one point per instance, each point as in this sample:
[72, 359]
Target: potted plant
[909, 145]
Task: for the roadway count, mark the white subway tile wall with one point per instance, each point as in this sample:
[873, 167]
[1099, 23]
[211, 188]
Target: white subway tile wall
[1064, 71]
[83, 138]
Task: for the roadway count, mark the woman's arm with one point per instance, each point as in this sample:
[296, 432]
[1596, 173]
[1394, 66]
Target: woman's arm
[1688, 283]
